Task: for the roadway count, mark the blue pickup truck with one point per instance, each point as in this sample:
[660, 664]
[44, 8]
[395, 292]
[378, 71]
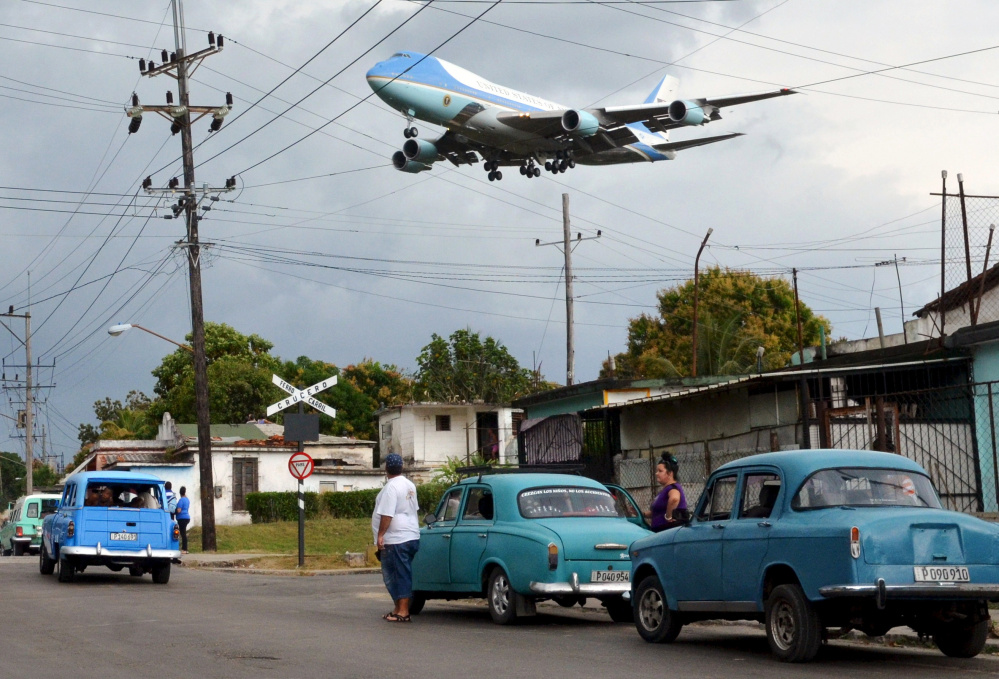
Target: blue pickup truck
[112, 519]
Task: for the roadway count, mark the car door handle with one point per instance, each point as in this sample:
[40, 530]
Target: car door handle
[718, 526]
[764, 524]
[482, 535]
[446, 536]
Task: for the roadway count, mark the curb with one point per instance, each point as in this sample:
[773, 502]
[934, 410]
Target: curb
[208, 566]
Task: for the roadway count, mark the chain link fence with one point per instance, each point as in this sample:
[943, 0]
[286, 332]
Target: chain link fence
[965, 247]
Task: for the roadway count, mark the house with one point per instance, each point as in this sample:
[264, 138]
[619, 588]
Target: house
[246, 458]
[429, 434]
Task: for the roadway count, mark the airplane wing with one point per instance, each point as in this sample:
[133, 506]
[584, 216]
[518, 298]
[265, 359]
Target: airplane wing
[691, 143]
[656, 116]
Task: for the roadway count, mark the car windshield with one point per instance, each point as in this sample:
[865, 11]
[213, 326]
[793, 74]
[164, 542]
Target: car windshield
[858, 487]
[559, 501]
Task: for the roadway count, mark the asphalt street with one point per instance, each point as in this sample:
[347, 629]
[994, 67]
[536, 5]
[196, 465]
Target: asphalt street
[209, 624]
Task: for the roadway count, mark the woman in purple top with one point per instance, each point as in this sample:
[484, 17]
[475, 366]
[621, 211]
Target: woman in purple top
[669, 509]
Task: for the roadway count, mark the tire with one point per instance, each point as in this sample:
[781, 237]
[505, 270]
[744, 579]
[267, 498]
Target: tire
[66, 569]
[794, 630]
[417, 602]
[620, 610]
[567, 601]
[963, 642]
[161, 574]
[501, 597]
[654, 620]
[46, 566]
[17, 548]
[135, 571]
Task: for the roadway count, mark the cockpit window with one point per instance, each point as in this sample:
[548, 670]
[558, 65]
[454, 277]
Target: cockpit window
[404, 55]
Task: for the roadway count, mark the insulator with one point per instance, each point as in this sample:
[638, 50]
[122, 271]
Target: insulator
[173, 183]
[163, 56]
[152, 65]
[133, 126]
[173, 56]
[147, 182]
[142, 65]
[211, 38]
[228, 98]
[216, 125]
[206, 208]
[135, 99]
[218, 42]
[175, 128]
[169, 98]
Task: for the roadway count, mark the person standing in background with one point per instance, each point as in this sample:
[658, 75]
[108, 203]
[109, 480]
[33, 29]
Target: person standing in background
[171, 501]
[396, 530]
[183, 518]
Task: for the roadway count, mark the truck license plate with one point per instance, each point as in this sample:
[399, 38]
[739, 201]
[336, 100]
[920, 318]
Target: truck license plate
[125, 537]
[942, 574]
[610, 576]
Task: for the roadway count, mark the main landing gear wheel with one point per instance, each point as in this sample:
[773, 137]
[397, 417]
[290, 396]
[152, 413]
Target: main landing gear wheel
[495, 176]
[410, 132]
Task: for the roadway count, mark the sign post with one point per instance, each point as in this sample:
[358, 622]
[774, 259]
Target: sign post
[304, 428]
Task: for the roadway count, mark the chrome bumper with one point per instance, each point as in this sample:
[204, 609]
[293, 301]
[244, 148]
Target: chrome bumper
[882, 592]
[573, 587]
[23, 540]
[99, 551]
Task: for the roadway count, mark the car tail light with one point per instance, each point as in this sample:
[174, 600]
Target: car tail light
[71, 529]
[855, 542]
[552, 556]
[176, 533]
[19, 531]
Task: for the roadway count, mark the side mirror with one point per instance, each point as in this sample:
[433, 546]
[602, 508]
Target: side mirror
[430, 519]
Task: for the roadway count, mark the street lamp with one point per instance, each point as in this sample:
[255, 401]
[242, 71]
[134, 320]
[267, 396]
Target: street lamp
[116, 330]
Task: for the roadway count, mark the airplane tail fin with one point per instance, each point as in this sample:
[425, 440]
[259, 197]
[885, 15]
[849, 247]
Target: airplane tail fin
[664, 92]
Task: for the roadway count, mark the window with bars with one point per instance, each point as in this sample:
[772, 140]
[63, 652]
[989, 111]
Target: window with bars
[443, 423]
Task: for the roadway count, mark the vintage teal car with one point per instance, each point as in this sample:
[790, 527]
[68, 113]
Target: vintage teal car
[520, 538]
[808, 540]
[21, 533]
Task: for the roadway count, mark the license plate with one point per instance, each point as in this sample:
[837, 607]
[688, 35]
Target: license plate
[610, 576]
[942, 574]
[125, 537]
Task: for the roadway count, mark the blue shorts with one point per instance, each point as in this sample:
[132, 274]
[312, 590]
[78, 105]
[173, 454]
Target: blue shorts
[397, 568]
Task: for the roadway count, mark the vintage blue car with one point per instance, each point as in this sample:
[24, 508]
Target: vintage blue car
[112, 519]
[808, 540]
[519, 538]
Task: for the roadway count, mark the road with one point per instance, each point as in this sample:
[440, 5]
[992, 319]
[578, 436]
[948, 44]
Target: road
[220, 625]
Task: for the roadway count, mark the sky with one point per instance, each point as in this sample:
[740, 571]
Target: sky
[328, 252]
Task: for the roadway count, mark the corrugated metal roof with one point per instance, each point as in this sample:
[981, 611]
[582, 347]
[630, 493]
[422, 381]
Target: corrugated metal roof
[232, 432]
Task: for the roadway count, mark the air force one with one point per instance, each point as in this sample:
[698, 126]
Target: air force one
[510, 128]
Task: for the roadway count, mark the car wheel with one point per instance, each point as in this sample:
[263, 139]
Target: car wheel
[620, 610]
[416, 603]
[963, 642]
[135, 571]
[794, 630]
[655, 622]
[502, 598]
[46, 566]
[161, 574]
[18, 549]
[66, 569]
[568, 601]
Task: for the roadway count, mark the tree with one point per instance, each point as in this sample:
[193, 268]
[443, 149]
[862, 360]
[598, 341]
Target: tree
[13, 484]
[737, 313]
[465, 368]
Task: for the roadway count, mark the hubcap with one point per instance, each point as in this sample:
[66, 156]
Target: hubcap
[650, 610]
[782, 627]
[500, 596]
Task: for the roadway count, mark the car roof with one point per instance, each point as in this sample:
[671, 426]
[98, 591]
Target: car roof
[797, 464]
[517, 482]
[112, 477]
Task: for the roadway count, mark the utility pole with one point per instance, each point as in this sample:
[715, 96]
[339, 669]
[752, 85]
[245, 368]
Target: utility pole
[570, 351]
[901, 302]
[177, 65]
[697, 261]
[28, 402]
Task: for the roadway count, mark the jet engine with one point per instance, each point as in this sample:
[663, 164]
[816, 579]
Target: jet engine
[686, 112]
[580, 123]
[420, 150]
[405, 165]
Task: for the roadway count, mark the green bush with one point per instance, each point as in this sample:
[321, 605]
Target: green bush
[354, 504]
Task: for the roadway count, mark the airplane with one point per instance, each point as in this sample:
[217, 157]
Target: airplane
[508, 128]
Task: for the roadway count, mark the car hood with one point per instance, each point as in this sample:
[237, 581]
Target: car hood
[899, 536]
[581, 535]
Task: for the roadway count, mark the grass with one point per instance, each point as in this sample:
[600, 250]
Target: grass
[324, 537]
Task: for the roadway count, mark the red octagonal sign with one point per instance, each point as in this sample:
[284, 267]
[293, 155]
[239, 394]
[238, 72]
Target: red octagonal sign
[300, 465]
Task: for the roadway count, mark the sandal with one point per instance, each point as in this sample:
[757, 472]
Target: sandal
[388, 615]
[392, 617]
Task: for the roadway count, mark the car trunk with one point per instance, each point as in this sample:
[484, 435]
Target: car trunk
[581, 535]
[115, 527]
[925, 537]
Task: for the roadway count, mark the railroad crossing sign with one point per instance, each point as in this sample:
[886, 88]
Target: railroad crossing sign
[300, 465]
[303, 396]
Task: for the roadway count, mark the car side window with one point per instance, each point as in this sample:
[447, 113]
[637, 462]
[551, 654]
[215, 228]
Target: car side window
[448, 510]
[719, 500]
[478, 505]
[759, 494]
[33, 510]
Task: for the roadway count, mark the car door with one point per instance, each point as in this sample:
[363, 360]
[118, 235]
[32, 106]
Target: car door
[696, 573]
[747, 537]
[470, 536]
[626, 506]
[432, 563]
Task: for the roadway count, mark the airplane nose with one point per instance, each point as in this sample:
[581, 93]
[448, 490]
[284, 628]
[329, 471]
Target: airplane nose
[379, 70]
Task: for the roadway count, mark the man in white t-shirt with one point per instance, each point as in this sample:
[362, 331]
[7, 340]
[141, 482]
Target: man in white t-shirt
[396, 530]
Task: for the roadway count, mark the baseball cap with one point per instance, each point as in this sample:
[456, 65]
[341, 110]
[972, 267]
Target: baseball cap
[393, 463]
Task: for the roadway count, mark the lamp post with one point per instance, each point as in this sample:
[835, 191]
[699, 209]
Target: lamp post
[116, 330]
[697, 260]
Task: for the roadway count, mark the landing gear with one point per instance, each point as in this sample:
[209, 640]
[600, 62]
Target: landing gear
[530, 170]
[495, 176]
[563, 161]
[410, 132]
